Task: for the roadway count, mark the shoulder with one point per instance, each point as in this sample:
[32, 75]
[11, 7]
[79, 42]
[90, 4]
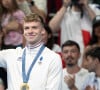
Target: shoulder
[51, 53]
[52, 56]
[93, 5]
[56, 48]
[89, 80]
[53, 59]
[83, 72]
[95, 8]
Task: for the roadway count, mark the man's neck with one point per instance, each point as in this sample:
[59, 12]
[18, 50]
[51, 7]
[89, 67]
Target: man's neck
[32, 46]
[73, 69]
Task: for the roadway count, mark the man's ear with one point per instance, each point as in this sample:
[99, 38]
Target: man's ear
[42, 31]
[97, 60]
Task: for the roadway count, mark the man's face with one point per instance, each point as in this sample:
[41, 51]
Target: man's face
[32, 32]
[91, 63]
[71, 55]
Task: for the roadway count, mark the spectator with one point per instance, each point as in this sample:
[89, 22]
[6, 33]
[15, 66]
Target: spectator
[73, 75]
[48, 39]
[93, 65]
[13, 35]
[10, 11]
[75, 19]
[95, 37]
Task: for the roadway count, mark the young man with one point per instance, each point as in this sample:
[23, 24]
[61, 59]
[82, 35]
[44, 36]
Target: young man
[93, 65]
[73, 75]
[34, 67]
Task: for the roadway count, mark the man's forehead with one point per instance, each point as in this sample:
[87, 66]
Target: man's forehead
[70, 47]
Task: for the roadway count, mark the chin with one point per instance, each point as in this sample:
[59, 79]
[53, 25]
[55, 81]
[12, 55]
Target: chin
[31, 42]
[70, 64]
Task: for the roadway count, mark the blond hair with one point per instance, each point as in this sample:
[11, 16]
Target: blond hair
[34, 17]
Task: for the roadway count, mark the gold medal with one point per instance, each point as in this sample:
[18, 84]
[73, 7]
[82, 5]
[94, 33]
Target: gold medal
[24, 86]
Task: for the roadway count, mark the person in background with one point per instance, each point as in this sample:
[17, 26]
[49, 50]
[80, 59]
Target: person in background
[75, 21]
[93, 65]
[34, 67]
[13, 35]
[48, 39]
[11, 11]
[95, 38]
[73, 75]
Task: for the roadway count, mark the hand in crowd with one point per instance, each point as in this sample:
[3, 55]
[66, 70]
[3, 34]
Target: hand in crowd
[90, 88]
[84, 2]
[70, 81]
[66, 2]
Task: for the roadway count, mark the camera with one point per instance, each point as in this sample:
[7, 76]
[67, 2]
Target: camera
[75, 2]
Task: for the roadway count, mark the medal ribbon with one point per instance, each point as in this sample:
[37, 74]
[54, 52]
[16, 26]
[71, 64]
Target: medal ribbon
[26, 76]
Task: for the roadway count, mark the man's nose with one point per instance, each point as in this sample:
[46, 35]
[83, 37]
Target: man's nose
[30, 30]
[69, 53]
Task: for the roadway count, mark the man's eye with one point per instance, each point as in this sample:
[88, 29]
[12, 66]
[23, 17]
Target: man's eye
[65, 51]
[34, 27]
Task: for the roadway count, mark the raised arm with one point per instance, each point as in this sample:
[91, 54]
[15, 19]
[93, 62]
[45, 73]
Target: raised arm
[56, 20]
[54, 75]
[88, 9]
[39, 7]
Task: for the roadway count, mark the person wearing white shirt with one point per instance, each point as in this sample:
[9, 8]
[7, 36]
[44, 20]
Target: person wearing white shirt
[73, 75]
[35, 67]
[93, 65]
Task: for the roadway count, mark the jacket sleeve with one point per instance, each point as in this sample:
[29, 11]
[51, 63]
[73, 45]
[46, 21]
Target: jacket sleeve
[55, 75]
